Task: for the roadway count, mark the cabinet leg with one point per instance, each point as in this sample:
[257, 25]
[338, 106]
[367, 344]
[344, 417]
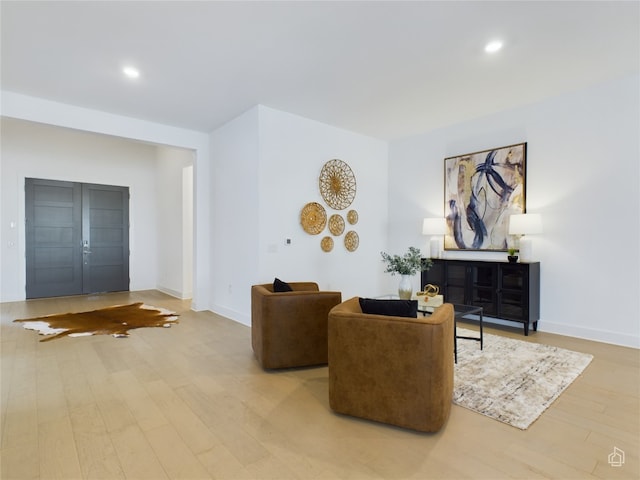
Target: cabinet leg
[535, 326]
[526, 329]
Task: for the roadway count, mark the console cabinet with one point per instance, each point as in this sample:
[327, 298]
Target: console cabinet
[508, 291]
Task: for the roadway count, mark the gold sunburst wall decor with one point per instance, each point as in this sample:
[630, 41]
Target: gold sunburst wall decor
[337, 184]
[313, 218]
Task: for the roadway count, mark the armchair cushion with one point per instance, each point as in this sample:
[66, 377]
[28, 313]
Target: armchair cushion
[396, 308]
[280, 286]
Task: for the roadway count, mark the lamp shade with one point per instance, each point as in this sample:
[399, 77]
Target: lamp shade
[434, 226]
[525, 224]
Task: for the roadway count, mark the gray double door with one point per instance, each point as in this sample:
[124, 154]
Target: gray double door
[77, 238]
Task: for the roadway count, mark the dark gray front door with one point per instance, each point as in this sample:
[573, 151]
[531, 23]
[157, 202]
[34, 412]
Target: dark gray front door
[53, 238]
[105, 238]
[77, 238]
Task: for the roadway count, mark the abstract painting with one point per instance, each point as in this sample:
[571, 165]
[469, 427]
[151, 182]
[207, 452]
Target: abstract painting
[482, 190]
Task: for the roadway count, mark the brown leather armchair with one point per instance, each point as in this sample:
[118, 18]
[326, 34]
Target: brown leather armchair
[289, 329]
[394, 370]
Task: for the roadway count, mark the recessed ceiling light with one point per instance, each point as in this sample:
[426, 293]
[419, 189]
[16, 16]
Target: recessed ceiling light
[131, 72]
[493, 47]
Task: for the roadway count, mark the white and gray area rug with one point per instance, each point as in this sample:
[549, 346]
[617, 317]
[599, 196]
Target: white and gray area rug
[511, 380]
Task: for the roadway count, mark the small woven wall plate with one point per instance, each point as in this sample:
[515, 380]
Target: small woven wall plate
[336, 224]
[352, 217]
[326, 244]
[313, 218]
[351, 241]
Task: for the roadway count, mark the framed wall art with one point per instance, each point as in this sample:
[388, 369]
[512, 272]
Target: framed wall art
[482, 190]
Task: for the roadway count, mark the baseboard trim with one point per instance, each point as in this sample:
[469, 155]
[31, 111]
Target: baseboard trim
[173, 293]
[596, 335]
[231, 314]
[576, 331]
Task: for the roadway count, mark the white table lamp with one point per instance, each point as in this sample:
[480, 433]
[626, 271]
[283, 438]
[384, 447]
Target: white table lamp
[435, 228]
[525, 224]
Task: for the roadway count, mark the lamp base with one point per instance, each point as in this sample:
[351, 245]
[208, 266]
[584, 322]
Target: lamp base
[435, 247]
[526, 250]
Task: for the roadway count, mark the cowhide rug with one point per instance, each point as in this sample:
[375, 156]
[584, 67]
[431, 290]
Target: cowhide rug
[116, 321]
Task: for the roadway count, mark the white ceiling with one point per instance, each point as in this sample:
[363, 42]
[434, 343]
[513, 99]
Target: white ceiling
[384, 69]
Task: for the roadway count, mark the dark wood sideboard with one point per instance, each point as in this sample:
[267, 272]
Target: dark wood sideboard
[507, 291]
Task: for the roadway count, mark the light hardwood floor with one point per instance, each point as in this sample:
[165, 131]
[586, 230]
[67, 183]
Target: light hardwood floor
[191, 402]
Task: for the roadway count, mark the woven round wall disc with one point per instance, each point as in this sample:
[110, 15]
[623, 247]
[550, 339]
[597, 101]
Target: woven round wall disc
[336, 224]
[326, 244]
[337, 184]
[352, 217]
[351, 241]
[313, 218]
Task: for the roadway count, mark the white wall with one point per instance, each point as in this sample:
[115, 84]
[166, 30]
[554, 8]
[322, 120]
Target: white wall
[44, 151]
[175, 226]
[234, 214]
[266, 168]
[582, 177]
[292, 152]
[188, 242]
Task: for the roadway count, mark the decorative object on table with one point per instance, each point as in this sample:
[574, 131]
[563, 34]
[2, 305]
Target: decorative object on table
[428, 296]
[351, 241]
[313, 218]
[115, 320]
[513, 255]
[430, 302]
[405, 289]
[406, 266]
[336, 224]
[352, 217]
[523, 225]
[429, 290]
[326, 244]
[481, 191]
[522, 379]
[435, 228]
[337, 184]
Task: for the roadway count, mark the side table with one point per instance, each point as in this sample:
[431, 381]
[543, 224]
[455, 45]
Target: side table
[460, 311]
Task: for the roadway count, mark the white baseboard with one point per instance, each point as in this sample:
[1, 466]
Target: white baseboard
[12, 298]
[232, 314]
[597, 335]
[576, 331]
[173, 293]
